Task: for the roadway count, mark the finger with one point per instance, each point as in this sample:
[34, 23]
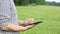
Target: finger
[30, 20]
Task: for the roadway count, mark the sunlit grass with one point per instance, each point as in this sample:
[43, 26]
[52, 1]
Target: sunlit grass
[50, 15]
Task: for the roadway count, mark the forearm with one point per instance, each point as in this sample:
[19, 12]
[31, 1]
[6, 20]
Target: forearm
[16, 28]
[28, 21]
[20, 22]
[13, 27]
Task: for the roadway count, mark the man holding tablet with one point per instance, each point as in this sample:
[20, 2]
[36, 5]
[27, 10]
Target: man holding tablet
[9, 23]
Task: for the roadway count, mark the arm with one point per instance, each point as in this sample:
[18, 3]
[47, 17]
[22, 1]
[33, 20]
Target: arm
[28, 21]
[13, 27]
[20, 22]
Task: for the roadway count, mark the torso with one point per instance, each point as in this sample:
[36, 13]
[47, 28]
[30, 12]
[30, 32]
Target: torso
[10, 12]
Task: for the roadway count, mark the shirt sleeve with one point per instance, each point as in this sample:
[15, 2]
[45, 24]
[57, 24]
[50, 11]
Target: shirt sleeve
[3, 14]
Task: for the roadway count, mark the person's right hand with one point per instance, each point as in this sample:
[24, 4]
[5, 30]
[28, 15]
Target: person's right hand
[28, 21]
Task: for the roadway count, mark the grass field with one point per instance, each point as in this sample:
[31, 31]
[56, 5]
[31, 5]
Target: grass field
[50, 15]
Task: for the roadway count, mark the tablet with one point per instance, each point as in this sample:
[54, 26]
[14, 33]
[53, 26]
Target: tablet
[34, 23]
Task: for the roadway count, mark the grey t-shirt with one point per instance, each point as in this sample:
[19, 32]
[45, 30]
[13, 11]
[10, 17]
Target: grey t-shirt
[8, 15]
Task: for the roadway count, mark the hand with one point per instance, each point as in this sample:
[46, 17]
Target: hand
[30, 26]
[28, 21]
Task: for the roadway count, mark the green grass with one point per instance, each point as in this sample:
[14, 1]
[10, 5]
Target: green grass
[50, 15]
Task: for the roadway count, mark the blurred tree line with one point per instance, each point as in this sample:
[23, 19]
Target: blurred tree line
[53, 3]
[27, 2]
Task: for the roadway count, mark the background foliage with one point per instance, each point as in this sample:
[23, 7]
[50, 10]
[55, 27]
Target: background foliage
[49, 15]
[27, 2]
